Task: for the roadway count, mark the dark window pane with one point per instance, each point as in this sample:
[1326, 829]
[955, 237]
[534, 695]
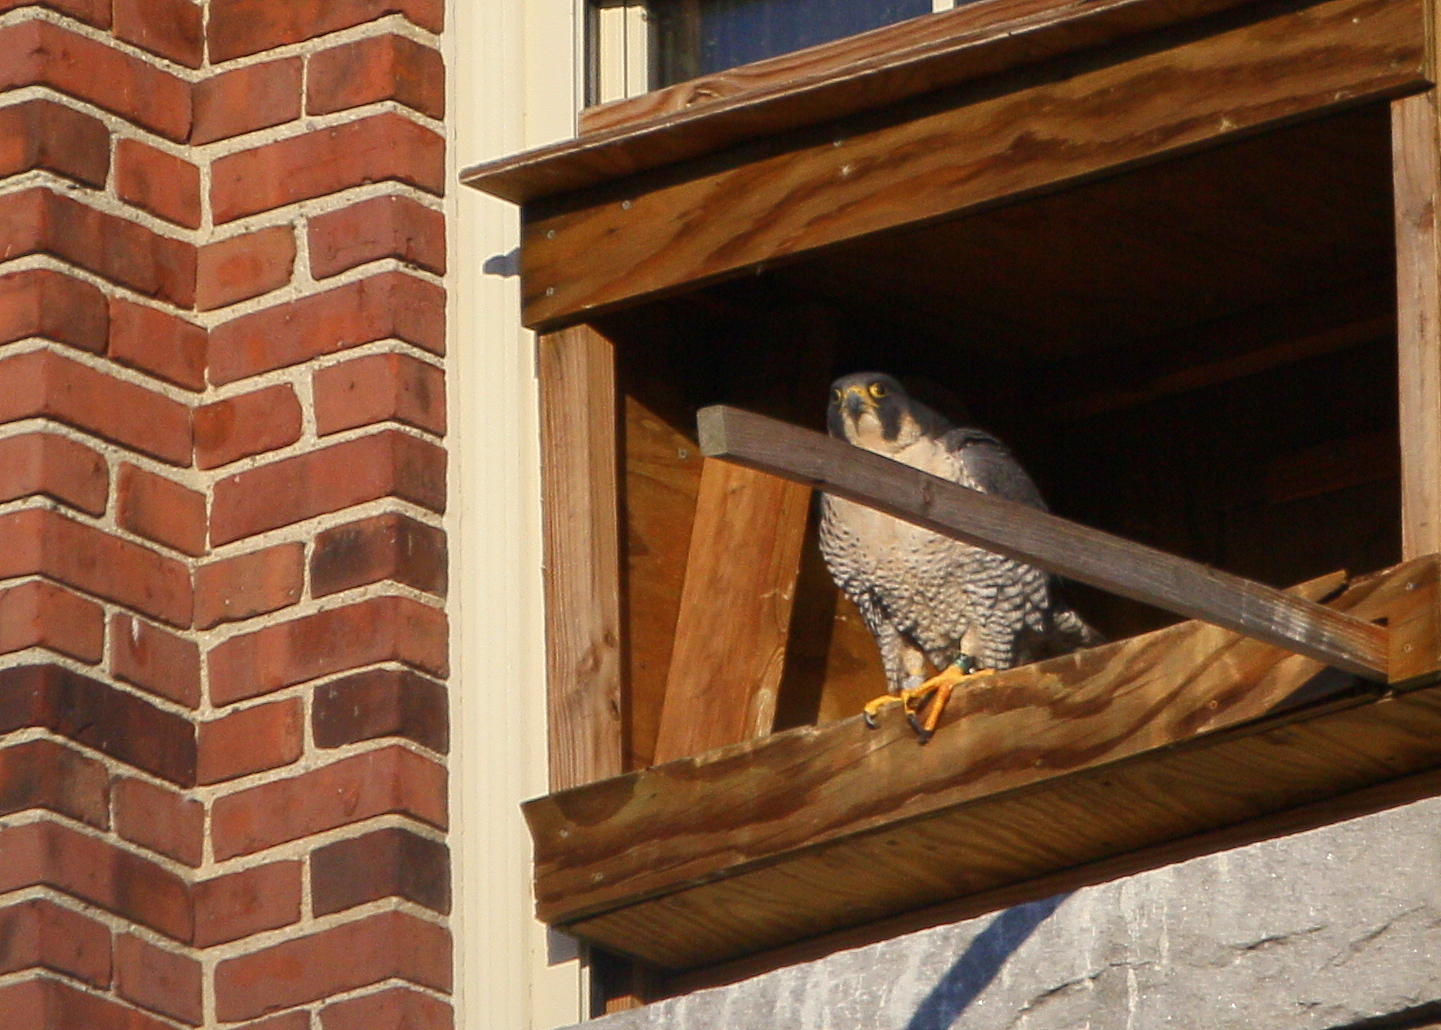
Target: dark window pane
[697, 37]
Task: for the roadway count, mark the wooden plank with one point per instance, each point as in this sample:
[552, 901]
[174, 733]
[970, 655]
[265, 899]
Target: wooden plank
[1036, 770]
[735, 615]
[1066, 548]
[1351, 805]
[883, 66]
[662, 478]
[582, 555]
[1417, 170]
[1102, 112]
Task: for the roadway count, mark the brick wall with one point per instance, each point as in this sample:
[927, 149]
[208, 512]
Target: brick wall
[222, 636]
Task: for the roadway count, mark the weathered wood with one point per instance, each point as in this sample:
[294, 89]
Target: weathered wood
[662, 478]
[1066, 548]
[1416, 163]
[1351, 805]
[582, 556]
[880, 67]
[735, 614]
[1033, 771]
[1105, 111]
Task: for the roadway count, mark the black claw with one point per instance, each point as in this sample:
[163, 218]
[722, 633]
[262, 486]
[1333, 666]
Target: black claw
[870, 720]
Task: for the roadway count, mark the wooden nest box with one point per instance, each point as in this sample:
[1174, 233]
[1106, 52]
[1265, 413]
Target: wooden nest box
[1182, 256]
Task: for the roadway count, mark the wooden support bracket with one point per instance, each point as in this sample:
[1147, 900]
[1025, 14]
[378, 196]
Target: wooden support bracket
[1063, 547]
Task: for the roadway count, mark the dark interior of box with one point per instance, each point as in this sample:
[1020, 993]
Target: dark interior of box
[1198, 355]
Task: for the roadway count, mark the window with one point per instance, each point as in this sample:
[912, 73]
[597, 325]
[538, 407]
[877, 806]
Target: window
[639, 45]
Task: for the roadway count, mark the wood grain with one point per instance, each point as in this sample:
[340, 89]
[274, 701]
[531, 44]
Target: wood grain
[858, 73]
[735, 613]
[662, 478]
[1416, 163]
[888, 64]
[1066, 548]
[1036, 770]
[582, 556]
[941, 156]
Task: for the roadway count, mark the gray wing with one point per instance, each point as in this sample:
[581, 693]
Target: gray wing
[992, 467]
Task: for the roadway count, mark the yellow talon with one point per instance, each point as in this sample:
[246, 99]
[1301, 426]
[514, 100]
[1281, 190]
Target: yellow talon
[931, 695]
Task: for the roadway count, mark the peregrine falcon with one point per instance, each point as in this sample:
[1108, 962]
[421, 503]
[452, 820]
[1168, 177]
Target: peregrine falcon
[926, 597]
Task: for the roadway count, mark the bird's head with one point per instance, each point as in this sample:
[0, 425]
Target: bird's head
[873, 411]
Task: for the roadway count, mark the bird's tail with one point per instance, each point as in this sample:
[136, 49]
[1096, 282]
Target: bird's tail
[1074, 632]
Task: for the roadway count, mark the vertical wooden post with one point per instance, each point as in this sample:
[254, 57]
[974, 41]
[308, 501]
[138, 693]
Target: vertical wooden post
[1416, 167]
[582, 556]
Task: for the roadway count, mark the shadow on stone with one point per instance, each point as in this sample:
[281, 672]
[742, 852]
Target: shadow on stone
[980, 962]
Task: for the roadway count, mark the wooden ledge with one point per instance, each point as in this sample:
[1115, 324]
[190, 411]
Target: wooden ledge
[860, 73]
[1041, 769]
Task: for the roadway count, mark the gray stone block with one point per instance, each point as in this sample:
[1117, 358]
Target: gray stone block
[1310, 932]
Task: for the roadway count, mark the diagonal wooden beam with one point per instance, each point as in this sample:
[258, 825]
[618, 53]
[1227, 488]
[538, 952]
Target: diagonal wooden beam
[1066, 548]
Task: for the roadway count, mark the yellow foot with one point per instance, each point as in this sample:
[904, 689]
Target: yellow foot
[931, 696]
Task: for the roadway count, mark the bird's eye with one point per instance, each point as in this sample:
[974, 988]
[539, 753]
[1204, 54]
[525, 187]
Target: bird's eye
[878, 390]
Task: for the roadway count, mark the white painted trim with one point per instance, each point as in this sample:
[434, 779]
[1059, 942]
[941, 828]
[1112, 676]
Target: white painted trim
[513, 69]
[942, 5]
[622, 43]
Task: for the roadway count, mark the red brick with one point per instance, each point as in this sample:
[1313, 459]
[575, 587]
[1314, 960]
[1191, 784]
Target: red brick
[251, 423]
[157, 979]
[160, 509]
[165, 664]
[45, 543]
[39, 221]
[390, 862]
[66, 471]
[241, 27]
[380, 388]
[44, 134]
[395, 1008]
[249, 584]
[381, 629]
[46, 774]
[170, 28]
[389, 546]
[377, 68]
[59, 307]
[246, 99]
[43, 384]
[244, 266]
[386, 464]
[381, 703]
[160, 819]
[85, 867]
[100, 716]
[156, 342]
[41, 614]
[381, 227]
[41, 302]
[39, 53]
[297, 1020]
[237, 905]
[39, 934]
[379, 148]
[250, 741]
[45, 1004]
[92, 12]
[389, 305]
[158, 182]
[366, 951]
[389, 781]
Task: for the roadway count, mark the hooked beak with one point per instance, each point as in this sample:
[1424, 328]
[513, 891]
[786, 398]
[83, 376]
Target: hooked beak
[856, 401]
